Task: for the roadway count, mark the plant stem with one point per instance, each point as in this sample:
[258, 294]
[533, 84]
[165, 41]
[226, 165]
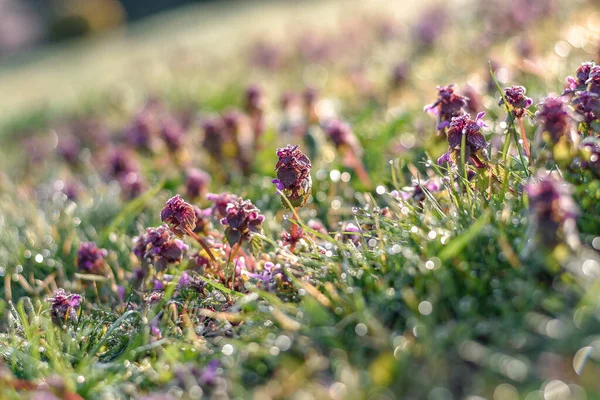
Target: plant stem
[524, 138]
[294, 232]
[202, 243]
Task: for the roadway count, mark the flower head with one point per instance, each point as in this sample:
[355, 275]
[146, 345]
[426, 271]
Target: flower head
[552, 210]
[476, 145]
[554, 118]
[64, 305]
[90, 259]
[196, 183]
[221, 201]
[242, 219]
[172, 133]
[214, 136]
[587, 104]
[447, 106]
[579, 81]
[254, 99]
[593, 81]
[179, 215]
[516, 99]
[293, 175]
[159, 247]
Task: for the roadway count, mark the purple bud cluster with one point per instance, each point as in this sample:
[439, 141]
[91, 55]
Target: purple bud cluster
[90, 259]
[293, 175]
[64, 306]
[554, 118]
[179, 215]
[476, 145]
[159, 247]
[516, 99]
[447, 106]
[242, 219]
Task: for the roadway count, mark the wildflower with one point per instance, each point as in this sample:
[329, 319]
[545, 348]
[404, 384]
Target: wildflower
[64, 305]
[593, 82]
[122, 162]
[579, 82]
[145, 126]
[516, 99]
[552, 211]
[447, 106]
[159, 247]
[179, 215]
[214, 137]
[554, 118]
[430, 26]
[242, 219]
[416, 192]
[196, 183]
[132, 184]
[270, 276]
[587, 104]
[90, 259]
[254, 99]
[69, 148]
[399, 75]
[476, 149]
[293, 175]
[172, 134]
[220, 203]
[203, 224]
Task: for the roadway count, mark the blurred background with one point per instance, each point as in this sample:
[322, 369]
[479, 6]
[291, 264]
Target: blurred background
[25, 24]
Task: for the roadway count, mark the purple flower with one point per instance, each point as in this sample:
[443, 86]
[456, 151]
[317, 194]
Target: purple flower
[214, 137]
[447, 106]
[587, 104]
[122, 162]
[221, 201]
[554, 118]
[593, 82]
[416, 192]
[179, 215]
[196, 183]
[172, 133]
[579, 82]
[293, 175]
[159, 247]
[64, 305]
[518, 102]
[203, 224]
[242, 219]
[476, 150]
[399, 74]
[132, 184]
[270, 276]
[255, 99]
[90, 259]
[69, 148]
[430, 26]
[552, 210]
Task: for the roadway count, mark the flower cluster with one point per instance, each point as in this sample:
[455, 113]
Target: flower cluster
[476, 145]
[554, 119]
[179, 215]
[221, 201]
[579, 81]
[585, 88]
[516, 99]
[196, 183]
[90, 259]
[447, 106]
[552, 210]
[159, 247]
[64, 305]
[293, 175]
[242, 219]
